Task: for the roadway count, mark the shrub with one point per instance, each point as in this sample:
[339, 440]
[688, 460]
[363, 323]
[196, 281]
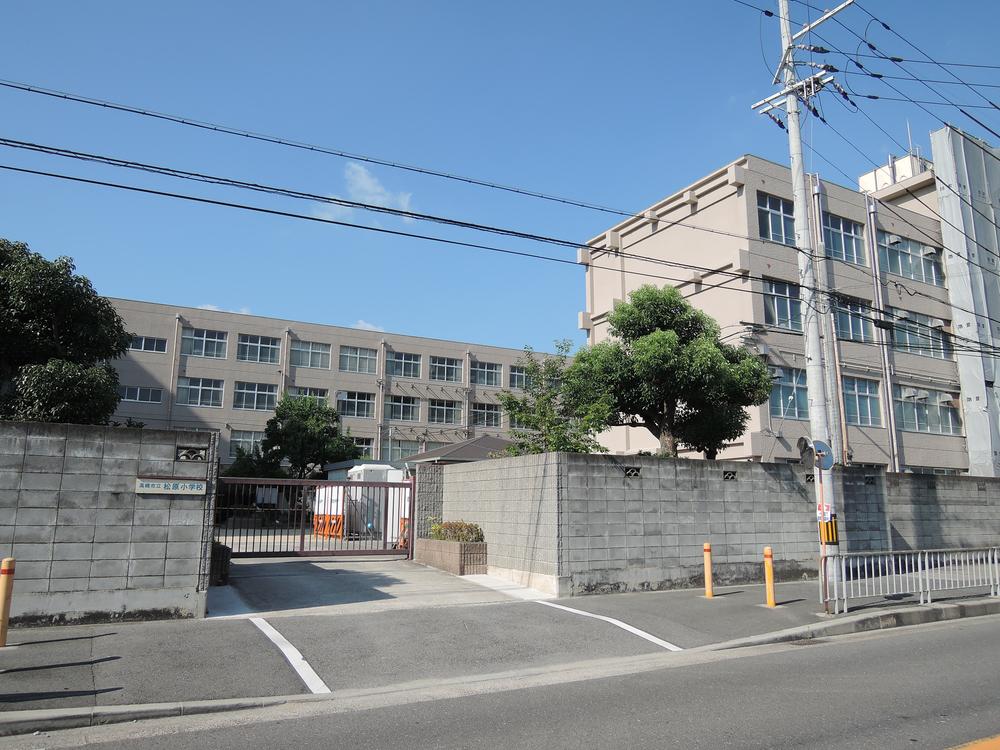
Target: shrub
[457, 531]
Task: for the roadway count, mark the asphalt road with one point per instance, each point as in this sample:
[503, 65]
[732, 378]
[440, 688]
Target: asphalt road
[932, 686]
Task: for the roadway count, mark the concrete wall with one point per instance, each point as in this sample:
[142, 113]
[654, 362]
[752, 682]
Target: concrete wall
[578, 524]
[87, 547]
[516, 502]
[430, 493]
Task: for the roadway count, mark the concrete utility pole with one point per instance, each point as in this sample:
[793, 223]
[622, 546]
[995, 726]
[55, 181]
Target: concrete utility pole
[816, 382]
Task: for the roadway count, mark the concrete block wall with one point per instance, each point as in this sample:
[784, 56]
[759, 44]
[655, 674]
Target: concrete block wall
[430, 493]
[577, 524]
[88, 547]
[515, 501]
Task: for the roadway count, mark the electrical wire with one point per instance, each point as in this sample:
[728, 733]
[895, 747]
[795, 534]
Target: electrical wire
[279, 141]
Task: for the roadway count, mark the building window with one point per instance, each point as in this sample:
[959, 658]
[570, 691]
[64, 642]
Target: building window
[861, 404]
[140, 394]
[445, 368]
[843, 239]
[486, 415]
[486, 373]
[358, 359]
[927, 411]
[444, 412]
[519, 377]
[782, 307]
[398, 450]
[909, 258]
[914, 333]
[355, 404]
[789, 396]
[310, 354]
[251, 348]
[316, 394]
[148, 344]
[402, 408]
[255, 396]
[403, 364]
[776, 219]
[366, 445]
[199, 342]
[854, 321]
[248, 440]
[199, 392]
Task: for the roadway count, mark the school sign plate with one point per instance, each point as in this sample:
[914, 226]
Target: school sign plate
[154, 486]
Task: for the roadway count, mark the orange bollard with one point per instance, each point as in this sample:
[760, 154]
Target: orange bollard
[709, 593]
[6, 591]
[769, 576]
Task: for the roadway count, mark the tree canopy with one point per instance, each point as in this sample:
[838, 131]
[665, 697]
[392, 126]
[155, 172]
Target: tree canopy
[305, 433]
[666, 369]
[57, 335]
[541, 419]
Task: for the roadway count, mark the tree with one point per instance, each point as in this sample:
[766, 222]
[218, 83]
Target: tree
[666, 370]
[253, 464]
[305, 432]
[57, 335]
[545, 421]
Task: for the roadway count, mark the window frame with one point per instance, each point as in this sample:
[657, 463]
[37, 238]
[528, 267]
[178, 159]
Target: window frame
[138, 389]
[444, 407]
[143, 348]
[492, 372]
[300, 349]
[401, 405]
[931, 271]
[266, 391]
[924, 413]
[856, 314]
[774, 298]
[930, 341]
[772, 206]
[357, 355]
[200, 388]
[293, 391]
[239, 442]
[244, 346]
[794, 386]
[353, 397]
[836, 228]
[869, 397]
[401, 364]
[483, 410]
[446, 364]
[194, 338]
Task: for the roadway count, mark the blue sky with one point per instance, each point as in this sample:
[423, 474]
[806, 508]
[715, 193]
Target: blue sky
[618, 104]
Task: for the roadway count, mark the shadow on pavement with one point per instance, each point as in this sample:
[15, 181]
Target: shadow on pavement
[55, 694]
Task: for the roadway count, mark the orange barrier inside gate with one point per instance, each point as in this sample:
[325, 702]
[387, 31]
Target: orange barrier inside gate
[404, 533]
[329, 525]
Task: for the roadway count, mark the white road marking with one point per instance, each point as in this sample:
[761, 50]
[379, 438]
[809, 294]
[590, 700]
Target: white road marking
[618, 623]
[295, 658]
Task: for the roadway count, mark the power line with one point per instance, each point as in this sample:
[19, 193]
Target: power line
[393, 232]
[875, 74]
[879, 97]
[276, 140]
[913, 46]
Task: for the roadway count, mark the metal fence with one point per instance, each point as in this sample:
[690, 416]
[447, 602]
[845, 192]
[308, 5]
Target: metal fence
[871, 575]
[261, 517]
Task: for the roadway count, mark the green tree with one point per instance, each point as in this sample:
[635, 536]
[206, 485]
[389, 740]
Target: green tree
[666, 370]
[545, 421]
[305, 432]
[57, 335]
[253, 464]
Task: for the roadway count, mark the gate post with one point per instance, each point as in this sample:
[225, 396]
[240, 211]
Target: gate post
[413, 516]
[302, 519]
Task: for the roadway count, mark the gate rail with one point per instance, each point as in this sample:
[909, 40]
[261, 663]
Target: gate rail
[867, 575]
[274, 517]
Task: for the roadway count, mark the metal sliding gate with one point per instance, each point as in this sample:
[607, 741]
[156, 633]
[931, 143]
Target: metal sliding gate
[261, 517]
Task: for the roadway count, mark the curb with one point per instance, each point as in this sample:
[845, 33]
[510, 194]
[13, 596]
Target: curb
[52, 719]
[867, 621]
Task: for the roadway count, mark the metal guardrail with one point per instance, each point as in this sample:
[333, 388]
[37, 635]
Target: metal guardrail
[869, 575]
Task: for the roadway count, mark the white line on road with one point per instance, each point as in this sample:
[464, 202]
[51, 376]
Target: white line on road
[295, 658]
[618, 623]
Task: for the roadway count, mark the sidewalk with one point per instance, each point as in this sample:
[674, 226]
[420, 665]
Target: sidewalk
[132, 664]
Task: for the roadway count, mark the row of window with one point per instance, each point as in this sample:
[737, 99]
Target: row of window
[844, 240]
[200, 342]
[392, 450]
[917, 410]
[910, 332]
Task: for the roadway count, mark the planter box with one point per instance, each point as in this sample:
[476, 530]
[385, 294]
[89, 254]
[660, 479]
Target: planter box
[458, 558]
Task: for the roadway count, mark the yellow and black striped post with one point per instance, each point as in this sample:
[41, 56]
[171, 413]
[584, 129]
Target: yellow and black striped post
[828, 532]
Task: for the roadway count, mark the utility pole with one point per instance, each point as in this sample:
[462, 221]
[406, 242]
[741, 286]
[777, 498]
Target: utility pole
[793, 91]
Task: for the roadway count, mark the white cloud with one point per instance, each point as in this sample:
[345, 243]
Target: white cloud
[361, 186]
[216, 308]
[364, 325]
